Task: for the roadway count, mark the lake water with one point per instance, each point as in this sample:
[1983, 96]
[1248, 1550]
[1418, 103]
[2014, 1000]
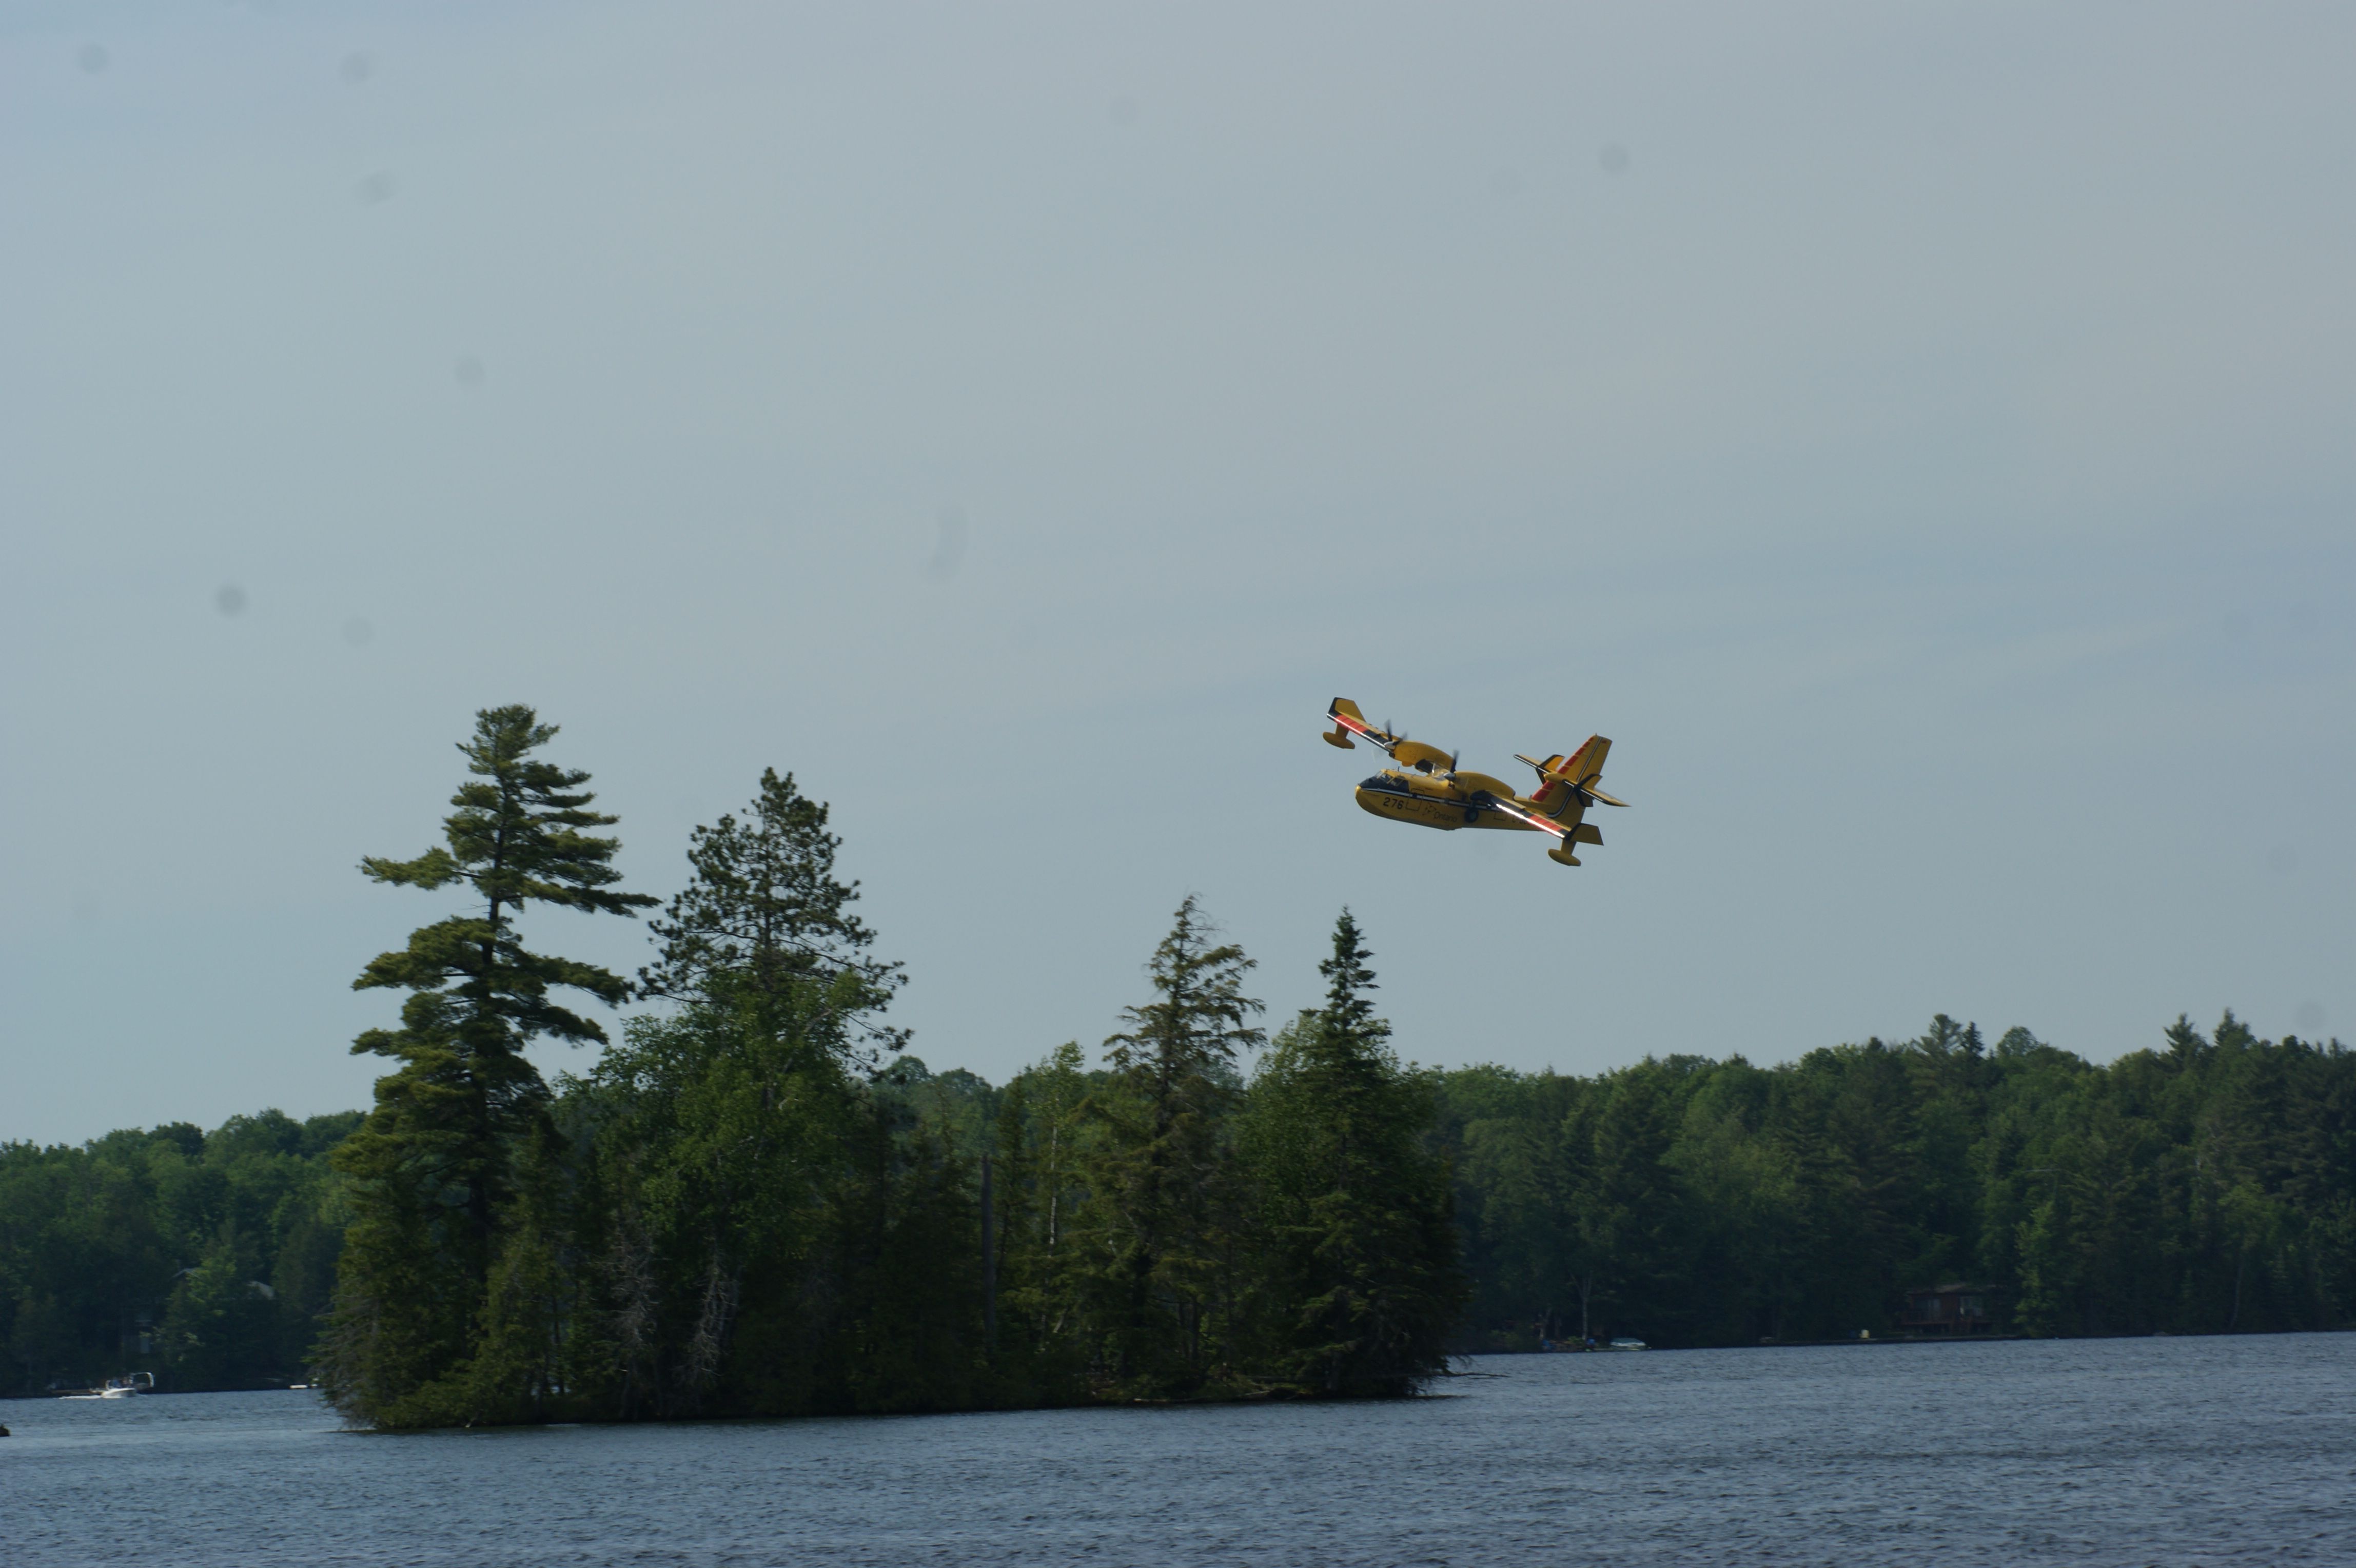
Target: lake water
[2129, 1452]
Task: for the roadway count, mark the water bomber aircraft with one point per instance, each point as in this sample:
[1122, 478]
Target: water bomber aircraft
[1430, 791]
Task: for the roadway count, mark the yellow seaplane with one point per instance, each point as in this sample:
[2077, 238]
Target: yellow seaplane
[1428, 790]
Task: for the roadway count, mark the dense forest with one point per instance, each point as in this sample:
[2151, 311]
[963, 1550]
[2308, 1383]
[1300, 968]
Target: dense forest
[756, 1201]
[2205, 1187]
[207, 1259]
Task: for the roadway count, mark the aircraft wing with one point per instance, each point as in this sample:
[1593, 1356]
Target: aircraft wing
[1348, 721]
[1528, 816]
[1566, 838]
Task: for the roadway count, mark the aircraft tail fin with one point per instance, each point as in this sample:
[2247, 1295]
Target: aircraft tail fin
[1564, 778]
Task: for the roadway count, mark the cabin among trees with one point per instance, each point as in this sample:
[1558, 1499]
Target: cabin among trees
[1948, 1311]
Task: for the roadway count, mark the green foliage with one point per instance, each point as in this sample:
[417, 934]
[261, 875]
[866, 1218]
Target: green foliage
[435, 1168]
[206, 1261]
[1048, 1135]
[763, 913]
[728, 1215]
[721, 1135]
[1162, 1232]
[759, 1206]
[731, 1140]
[755, 1203]
[732, 1222]
[1358, 1258]
[738, 1212]
[220, 1319]
[2206, 1189]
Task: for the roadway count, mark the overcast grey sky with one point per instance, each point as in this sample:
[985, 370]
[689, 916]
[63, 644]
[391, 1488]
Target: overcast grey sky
[1920, 437]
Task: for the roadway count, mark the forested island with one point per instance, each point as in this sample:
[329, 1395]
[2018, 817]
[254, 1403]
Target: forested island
[756, 1201]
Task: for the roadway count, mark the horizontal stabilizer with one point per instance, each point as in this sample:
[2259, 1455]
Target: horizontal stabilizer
[1586, 764]
[1565, 780]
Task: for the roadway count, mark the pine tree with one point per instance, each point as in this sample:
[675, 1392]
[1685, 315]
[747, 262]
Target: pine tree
[1361, 1263]
[722, 1121]
[765, 916]
[465, 1104]
[1163, 1178]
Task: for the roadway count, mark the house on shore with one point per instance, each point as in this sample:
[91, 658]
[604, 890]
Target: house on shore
[1948, 1310]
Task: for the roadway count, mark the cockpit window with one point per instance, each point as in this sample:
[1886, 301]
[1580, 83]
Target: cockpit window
[1386, 783]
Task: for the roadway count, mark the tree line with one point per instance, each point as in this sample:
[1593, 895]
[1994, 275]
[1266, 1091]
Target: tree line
[756, 1202]
[2205, 1187]
[207, 1259]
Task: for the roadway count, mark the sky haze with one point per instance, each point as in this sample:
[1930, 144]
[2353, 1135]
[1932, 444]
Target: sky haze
[1920, 437]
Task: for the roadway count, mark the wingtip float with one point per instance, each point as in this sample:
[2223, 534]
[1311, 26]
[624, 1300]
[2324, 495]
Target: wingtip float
[1424, 786]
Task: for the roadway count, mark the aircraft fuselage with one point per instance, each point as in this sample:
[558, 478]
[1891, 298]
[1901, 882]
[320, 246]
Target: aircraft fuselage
[1456, 801]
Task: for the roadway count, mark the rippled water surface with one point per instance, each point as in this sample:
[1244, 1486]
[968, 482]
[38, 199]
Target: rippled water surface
[2152, 1451]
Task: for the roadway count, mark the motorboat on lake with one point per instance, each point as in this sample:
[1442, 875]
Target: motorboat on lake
[119, 1388]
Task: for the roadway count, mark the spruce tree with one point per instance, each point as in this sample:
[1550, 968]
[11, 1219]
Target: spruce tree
[1163, 1179]
[434, 1166]
[1362, 1270]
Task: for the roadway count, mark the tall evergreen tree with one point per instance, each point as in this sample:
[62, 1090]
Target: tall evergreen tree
[1163, 1175]
[465, 1104]
[722, 1124]
[1361, 1273]
[763, 916]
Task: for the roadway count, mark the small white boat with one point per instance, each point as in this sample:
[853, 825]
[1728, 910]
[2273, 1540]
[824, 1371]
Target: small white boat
[120, 1387]
[1625, 1343]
